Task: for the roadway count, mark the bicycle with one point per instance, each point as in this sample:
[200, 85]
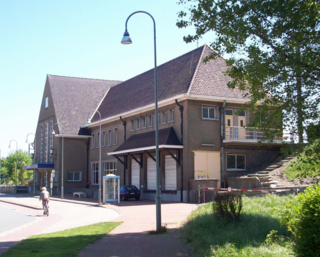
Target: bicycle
[45, 207]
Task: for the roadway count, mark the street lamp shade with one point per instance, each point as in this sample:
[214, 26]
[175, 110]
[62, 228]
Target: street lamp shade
[126, 40]
[88, 121]
[53, 133]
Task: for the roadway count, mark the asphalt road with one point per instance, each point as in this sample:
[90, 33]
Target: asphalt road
[11, 217]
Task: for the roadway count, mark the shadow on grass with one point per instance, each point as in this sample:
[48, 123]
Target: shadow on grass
[121, 245]
[207, 231]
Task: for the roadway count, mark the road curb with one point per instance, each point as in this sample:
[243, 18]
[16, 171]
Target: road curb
[23, 205]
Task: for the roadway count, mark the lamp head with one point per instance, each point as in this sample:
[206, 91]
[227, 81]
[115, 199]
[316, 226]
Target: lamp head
[126, 40]
[88, 121]
[53, 133]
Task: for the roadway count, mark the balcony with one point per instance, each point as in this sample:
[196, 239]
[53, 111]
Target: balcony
[249, 135]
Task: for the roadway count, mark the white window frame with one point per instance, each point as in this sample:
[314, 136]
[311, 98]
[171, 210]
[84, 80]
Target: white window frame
[93, 141]
[115, 136]
[163, 117]
[171, 115]
[150, 120]
[109, 137]
[98, 140]
[214, 112]
[138, 123]
[73, 172]
[132, 125]
[103, 138]
[107, 169]
[144, 122]
[236, 168]
[46, 102]
[228, 114]
[94, 170]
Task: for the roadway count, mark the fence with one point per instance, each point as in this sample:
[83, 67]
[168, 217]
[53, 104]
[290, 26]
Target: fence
[8, 190]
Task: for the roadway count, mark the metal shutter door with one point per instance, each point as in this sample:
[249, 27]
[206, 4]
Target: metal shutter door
[170, 173]
[151, 174]
[135, 174]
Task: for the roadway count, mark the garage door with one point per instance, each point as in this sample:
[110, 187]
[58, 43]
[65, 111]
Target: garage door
[151, 174]
[170, 173]
[135, 174]
[206, 164]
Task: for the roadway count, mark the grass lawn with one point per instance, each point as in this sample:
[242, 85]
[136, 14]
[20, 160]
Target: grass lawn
[213, 237]
[63, 243]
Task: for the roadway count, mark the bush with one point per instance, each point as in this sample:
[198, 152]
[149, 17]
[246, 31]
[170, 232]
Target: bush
[302, 217]
[228, 207]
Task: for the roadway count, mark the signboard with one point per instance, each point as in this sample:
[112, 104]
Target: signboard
[4, 176]
[229, 189]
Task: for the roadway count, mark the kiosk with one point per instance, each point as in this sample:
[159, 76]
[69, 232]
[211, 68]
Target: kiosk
[111, 188]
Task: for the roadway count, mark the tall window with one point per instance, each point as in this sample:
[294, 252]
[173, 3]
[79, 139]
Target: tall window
[103, 139]
[138, 123]
[150, 120]
[163, 117]
[95, 173]
[236, 162]
[116, 136]
[92, 141]
[98, 140]
[171, 115]
[132, 125]
[51, 141]
[109, 137]
[41, 147]
[208, 113]
[110, 167]
[144, 121]
[47, 102]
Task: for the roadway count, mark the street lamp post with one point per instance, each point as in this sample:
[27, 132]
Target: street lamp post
[34, 159]
[126, 40]
[16, 158]
[53, 133]
[100, 139]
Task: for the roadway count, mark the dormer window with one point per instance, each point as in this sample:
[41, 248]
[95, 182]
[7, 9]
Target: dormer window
[47, 102]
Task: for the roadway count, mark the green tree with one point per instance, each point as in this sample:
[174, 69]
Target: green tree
[273, 55]
[9, 163]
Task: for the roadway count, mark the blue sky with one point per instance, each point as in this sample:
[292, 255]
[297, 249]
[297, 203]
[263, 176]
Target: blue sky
[77, 39]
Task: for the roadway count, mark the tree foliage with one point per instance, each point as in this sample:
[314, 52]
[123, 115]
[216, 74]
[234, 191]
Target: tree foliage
[301, 217]
[273, 54]
[8, 165]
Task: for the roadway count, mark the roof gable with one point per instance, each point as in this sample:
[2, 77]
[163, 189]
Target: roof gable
[210, 80]
[74, 97]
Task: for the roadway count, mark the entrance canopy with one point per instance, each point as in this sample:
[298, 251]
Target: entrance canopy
[39, 166]
[145, 142]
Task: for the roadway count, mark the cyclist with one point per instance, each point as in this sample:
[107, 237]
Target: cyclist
[44, 196]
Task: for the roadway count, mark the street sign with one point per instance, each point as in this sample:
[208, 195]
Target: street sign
[229, 189]
[4, 176]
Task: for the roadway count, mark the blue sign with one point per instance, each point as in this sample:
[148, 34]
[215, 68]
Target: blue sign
[4, 176]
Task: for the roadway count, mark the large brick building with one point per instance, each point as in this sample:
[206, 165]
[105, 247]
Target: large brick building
[202, 140]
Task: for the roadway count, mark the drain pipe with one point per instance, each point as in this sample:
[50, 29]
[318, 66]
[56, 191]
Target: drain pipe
[125, 129]
[181, 150]
[124, 140]
[87, 143]
[222, 117]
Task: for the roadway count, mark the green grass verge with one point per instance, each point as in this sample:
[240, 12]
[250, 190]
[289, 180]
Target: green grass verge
[213, 237]
[63, 243]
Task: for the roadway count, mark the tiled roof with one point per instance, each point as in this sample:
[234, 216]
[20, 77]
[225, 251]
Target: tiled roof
[174, 78]
[167, 136]
[209, 79]
[73, 98]
[187, 74]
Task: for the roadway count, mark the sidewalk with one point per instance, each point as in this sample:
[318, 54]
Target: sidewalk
[131, 238]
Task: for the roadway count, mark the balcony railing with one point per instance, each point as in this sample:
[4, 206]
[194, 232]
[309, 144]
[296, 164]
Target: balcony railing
[248, 135]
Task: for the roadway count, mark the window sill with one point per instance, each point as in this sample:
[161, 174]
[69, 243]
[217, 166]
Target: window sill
[215, 119]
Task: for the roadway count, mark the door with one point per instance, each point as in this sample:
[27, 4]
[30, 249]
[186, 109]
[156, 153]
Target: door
[151, 174]
[135, 174]
[170, 173]
[242, 122]
[207, 164]
[229, 124]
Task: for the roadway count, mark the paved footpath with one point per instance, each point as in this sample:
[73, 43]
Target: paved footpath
[131, 238]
